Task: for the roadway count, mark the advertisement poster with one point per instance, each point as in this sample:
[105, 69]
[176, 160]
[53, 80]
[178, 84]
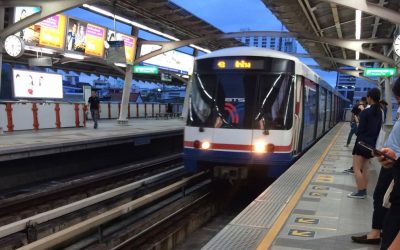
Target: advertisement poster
[76, 35]
[33, 84]
[95, 37]
[31, 34]
[52, 32]
[174, 61]
[130, 44]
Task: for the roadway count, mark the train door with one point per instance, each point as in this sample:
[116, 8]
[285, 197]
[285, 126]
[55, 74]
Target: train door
[297, 121]
[328, 110]
[321, 111]
[310, 115]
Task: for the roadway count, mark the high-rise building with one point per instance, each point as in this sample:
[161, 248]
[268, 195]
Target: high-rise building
[285, 44]
[345, 84]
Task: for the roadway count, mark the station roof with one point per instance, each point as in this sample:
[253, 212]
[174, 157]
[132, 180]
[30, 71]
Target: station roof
[333, 21]
[169, 18]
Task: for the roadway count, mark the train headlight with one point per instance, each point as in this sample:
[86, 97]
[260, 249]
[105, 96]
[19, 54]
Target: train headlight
[259, 147]
[205, 145]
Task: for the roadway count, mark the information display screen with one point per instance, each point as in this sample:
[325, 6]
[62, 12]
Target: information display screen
[33, 84]
[239, 64]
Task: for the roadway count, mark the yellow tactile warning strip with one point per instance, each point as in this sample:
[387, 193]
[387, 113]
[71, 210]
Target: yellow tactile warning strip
[281, 220]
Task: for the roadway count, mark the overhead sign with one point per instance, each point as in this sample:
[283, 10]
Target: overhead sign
[383, 72]
[129, 43]
[174, 61]
[151, 70]
[116, 52]
[31, 34]
[33, 84]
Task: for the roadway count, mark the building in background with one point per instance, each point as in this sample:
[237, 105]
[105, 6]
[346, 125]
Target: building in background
[285, 44]
[345, 84]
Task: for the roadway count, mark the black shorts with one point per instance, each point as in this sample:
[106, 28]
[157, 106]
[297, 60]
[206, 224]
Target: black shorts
[359, 150]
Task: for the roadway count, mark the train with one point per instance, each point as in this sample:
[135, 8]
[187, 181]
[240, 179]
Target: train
[255, 107]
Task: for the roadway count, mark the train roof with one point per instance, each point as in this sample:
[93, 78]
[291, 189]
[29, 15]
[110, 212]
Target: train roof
[301, 68]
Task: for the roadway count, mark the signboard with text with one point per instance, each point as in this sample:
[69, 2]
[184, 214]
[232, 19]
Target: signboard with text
[174, 61]
[145, 70]
[382, 72]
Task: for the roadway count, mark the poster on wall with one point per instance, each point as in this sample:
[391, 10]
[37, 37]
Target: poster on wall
[31, 34]
[85, 38]
[38, 85]
[174, 61]
[50, 32]
[129, 43]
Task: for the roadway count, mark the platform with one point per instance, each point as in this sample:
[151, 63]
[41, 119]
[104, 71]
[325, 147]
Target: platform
[23, 144]
[307, 207]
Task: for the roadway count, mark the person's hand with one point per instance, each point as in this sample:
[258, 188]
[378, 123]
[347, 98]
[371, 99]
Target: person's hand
[386, 162]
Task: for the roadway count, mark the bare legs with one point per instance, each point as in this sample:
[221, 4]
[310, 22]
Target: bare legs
[360, 167]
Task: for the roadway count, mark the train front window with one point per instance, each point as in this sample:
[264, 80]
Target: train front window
[275, 102]
[223, 100]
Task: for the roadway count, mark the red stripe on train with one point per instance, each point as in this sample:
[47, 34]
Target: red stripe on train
[220, 146]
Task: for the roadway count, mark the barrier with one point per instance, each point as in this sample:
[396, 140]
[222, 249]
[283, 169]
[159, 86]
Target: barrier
[16, 116]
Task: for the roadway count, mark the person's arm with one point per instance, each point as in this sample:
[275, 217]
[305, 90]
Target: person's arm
[362, 124]
[396, 243]
[388, 163]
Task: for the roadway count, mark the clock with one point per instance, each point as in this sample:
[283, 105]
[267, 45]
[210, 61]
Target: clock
[14, 46]
[396, 45]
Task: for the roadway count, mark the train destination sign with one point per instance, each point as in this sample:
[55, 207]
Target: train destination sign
[384, 72]
[150, 70]
[238, 64]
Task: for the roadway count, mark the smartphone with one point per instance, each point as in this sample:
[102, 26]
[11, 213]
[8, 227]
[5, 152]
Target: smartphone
[375, 151]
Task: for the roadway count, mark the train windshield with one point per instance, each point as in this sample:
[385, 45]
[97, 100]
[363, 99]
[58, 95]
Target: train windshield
[242, 100]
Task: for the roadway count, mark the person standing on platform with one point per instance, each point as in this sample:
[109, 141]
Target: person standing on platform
[94, 103]
[368, 131]
[384, 180]
[353, 123]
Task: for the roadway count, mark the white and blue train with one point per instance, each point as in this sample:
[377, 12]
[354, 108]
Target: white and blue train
[255, 107]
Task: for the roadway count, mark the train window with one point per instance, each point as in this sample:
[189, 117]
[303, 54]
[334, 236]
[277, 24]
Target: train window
[275, 102]
[222, 100]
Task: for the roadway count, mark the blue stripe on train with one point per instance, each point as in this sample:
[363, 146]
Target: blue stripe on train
[277, 163]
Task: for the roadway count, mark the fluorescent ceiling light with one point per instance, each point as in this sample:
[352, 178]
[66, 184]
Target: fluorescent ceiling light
[74, 56]
[40, 50]
[123, 65]
[358, 30]
[138, 25]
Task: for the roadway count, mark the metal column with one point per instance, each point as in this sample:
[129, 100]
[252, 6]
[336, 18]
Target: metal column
[2, 16]
[388, 98]
[188, 90]
[123, 114]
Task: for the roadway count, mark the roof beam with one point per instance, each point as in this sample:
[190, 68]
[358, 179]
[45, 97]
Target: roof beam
[370, 8]
[376, 23]
[335, 14]
[356, 73]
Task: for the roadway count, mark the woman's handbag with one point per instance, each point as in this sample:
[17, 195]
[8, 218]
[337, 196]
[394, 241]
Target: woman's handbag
[386, 202]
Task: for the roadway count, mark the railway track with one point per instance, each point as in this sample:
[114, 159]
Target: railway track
[139, 179]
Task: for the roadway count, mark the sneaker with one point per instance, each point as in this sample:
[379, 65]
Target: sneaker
[364, 240]
[348, 171]
[357, 195]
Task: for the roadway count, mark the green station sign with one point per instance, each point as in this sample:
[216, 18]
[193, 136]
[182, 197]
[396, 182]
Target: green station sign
[382, 72]
[149, 70]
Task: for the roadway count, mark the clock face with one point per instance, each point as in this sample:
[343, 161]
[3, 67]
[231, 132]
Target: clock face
[14, 46]
[396, 45]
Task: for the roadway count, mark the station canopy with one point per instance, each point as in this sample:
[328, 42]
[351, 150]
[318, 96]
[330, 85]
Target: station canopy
[326, 19]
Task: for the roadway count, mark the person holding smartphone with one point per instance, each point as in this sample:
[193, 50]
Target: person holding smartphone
[368, 131]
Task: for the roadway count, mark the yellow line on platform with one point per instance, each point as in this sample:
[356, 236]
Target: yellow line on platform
[280, 221]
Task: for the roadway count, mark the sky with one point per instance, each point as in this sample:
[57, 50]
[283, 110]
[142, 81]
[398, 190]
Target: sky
[236, 15]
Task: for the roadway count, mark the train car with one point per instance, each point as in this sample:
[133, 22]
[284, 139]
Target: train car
[255, 107]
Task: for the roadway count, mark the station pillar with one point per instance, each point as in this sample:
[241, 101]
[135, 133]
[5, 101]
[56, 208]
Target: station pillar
[123, 114]
[185, 109]
[388, 98]
[2, 16]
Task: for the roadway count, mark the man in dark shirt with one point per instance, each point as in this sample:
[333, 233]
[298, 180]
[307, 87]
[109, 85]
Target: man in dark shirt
[94, 103]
